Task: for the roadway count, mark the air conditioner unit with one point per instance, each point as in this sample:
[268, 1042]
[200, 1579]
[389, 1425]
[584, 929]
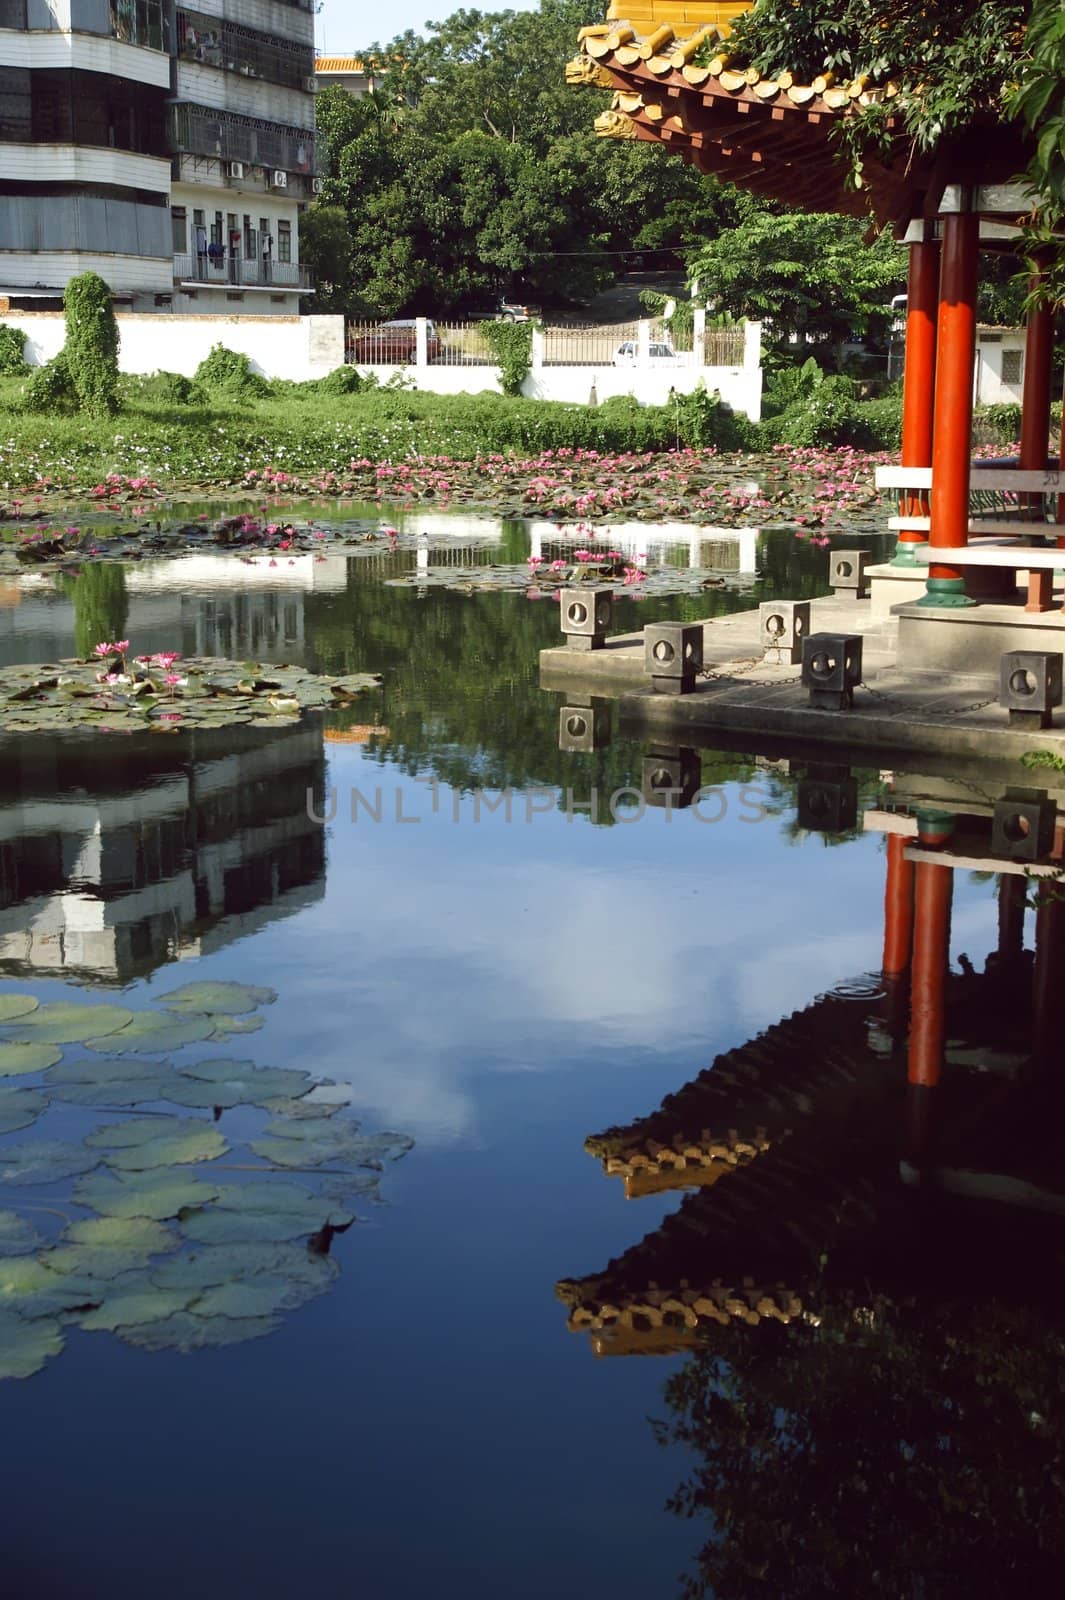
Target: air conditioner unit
[235, 169]
[311, 85]
[316, 185]
[279, 180]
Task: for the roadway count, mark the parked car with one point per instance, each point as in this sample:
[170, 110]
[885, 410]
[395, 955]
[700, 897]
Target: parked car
[393, 344]
[511, 311]
[627, 354]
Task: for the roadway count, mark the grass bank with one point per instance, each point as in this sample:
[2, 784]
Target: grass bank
[306, 431]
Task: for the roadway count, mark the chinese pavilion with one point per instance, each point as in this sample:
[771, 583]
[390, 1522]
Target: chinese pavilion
[673, 82]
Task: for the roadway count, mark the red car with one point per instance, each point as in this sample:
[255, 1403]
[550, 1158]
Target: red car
[393, 344]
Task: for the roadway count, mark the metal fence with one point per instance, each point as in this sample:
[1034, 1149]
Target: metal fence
[590, 345]
[723, 347]
[461, 344]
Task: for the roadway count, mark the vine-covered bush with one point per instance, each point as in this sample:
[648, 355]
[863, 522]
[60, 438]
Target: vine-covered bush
[706, 421]
[162, 388]
[342, 380]
[91, 348]
[230, 372]
[12, 349]
[51, 388]
[511, 344]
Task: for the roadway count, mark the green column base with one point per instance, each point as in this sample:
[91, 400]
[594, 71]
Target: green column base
[946, 594]
[934, 827]
[906, 553]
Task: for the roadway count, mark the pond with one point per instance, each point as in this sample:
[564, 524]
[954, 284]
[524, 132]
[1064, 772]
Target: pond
[240, 1391]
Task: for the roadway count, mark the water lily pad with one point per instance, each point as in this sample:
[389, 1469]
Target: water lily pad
[109, 1247]
[20, 1108]
[17, 1236]
[291, 1142]
[30, 1289]
[226, 1027]
[263, 1212]
[19, 1058]
[145, 1142]
[135, 1308]
[259, 1296]
[68, 1023]
[154, 1031]
[233, 1083]
[102, 1082]
[228, 999]
[26, 1346]
[45, 1161]
[186, 1332]
[16, 1005]
[214, 1265]
[158, 1192]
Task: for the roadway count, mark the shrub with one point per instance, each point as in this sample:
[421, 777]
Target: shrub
[705, 421]
[342, 380]
[51, 388]
[230, 372]
[511, 345]
[162, 388]
[1002, 422]
[789, 386]
[882, 419]
[91, 349]
[12, 349]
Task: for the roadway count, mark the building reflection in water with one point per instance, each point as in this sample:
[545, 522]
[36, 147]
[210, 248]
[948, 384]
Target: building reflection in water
[864, 1271]
[174, 848]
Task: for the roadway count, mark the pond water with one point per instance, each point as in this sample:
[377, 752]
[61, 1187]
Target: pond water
[498, 984]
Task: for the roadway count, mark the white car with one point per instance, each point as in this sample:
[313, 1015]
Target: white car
[628, 354]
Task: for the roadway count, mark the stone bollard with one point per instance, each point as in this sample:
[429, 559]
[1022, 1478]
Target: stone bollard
[673, 654]
[1022, 825]
[585, 615]
[784, 625]
[827, 799]
[846, 571]
[831, 668]
[1030, 686]
[672, 776]
[584, 728]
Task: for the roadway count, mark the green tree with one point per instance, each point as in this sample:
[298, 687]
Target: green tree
[809, 276]
[91, 348]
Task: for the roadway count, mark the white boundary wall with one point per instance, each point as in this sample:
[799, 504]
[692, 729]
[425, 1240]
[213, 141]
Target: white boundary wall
[278, 346]
[739, 387]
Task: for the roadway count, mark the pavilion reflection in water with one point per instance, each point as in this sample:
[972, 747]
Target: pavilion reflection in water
[838, 1157]
[175, 847]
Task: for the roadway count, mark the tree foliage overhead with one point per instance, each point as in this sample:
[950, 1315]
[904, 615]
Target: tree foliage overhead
[953, 60]
[807, 275]
[473, 170]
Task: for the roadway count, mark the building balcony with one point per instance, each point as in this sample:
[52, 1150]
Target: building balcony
[231, 272]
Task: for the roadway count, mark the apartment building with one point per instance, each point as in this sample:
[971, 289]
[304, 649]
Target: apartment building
[169, 149]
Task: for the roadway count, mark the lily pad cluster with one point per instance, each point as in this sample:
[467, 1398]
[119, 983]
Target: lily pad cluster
[161, 1240]
[129, 697]
[544, 582]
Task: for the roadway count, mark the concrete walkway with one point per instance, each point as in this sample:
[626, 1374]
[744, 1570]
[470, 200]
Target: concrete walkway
[896, 710]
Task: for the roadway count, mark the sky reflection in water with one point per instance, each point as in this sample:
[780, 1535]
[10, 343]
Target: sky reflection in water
[499, 989]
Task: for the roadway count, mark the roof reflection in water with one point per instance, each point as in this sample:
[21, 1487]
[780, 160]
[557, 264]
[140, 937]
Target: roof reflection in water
[864, 1268]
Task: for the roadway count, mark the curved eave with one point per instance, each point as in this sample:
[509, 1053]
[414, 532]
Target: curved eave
[772, 135]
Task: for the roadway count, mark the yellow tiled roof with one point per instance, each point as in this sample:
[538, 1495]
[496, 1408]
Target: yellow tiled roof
[683, 16]
[339, 64]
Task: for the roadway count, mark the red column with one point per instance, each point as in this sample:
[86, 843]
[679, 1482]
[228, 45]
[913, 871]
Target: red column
[1035, 397]
[953, 421]
[918, 382]
[898, 908]
[1048, 976]
[931, 949]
